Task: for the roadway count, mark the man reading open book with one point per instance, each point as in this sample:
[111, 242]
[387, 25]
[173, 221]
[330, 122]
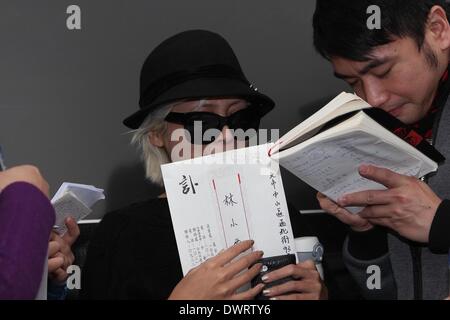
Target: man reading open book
[401, 68]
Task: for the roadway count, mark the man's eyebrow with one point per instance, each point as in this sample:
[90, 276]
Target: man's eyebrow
[372, 64]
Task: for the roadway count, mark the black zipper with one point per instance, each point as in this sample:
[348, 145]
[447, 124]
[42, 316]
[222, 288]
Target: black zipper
[416, 253]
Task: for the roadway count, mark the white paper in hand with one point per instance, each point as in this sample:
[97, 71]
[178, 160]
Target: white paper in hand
[74, 200]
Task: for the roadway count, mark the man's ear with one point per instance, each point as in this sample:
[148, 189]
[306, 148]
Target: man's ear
[439, 27]
[156, 139]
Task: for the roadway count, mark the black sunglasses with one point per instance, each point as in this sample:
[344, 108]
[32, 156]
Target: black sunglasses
[244, 119]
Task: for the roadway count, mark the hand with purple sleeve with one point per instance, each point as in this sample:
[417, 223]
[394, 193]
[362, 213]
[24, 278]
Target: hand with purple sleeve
[25, 173]
[26, 220]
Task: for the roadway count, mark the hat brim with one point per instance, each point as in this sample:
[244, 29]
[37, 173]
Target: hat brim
[203, 88]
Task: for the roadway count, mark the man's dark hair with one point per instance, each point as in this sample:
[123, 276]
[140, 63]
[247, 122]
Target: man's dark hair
[340, 26]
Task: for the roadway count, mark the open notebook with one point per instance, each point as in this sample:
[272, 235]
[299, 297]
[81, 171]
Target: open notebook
[326, 149]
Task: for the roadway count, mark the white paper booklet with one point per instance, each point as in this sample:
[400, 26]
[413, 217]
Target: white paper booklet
[74, 200]
[218, 200]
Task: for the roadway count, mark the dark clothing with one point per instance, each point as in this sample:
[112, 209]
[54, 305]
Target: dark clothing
[26, 220]
[133, 254]
[439, 238]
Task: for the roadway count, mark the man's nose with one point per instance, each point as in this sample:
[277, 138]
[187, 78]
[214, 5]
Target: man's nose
[375, 93]
[227, 134]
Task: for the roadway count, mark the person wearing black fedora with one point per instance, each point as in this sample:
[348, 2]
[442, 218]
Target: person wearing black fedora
[193, 77]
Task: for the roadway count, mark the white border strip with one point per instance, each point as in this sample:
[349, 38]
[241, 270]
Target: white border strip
[311, 211]
[89, 221]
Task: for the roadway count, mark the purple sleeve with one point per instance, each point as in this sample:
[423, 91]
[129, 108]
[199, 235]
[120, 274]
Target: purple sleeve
[26, 220]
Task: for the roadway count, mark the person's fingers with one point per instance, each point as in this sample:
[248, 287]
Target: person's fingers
[366, 198]
[334, 209]
[63, 246]
[292, 270]
[283, 272]
[326, 203]
[308, 264]
[384, 222]
[242, 263]
[232, 252]
[68, 259]
[71, 258]
[287, 287]
[353, 220]
[59, 275]
[53, 248]
[320, 195]
[302, 286]
[73, 231]
[376, 212]
[249, 294]
[54, 236]
[244, 277]
[59, 248]
[55, 263]
[386, 177]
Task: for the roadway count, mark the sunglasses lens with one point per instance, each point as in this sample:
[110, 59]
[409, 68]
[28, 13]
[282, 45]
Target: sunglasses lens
[247, 121]
[203, 128]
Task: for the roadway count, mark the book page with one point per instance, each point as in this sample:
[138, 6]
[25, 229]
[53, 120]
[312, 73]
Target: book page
[230, 207]
[74, 200]
[87, 194]
[341, 104]
[68, 206]
[331, 166]
[215, 205]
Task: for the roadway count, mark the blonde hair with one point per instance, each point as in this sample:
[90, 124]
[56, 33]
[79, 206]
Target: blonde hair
[152, 156]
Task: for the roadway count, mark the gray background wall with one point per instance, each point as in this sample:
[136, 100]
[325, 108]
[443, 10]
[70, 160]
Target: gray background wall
[63, 94]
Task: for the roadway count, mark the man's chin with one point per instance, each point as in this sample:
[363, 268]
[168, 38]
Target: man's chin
[404, 115]
[411, 113]
[408, 119]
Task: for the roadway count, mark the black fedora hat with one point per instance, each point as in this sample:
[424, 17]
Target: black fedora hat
[193, 64]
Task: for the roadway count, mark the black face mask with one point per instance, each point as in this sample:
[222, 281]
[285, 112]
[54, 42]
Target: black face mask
[244, 119]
